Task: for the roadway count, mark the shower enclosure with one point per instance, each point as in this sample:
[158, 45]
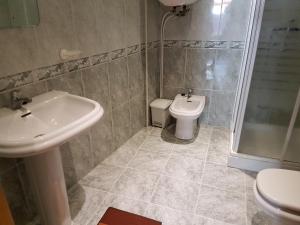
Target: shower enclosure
[266, 122]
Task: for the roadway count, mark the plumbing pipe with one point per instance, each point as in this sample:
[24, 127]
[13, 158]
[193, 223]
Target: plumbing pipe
[166, 17]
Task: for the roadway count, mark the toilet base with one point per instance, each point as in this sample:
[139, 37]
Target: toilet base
[184, 129]
[268, 210]
[280, 221]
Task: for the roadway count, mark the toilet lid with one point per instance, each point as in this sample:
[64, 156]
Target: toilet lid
[280, 187]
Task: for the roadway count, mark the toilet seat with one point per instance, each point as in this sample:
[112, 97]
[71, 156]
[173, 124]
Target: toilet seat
[278, 191]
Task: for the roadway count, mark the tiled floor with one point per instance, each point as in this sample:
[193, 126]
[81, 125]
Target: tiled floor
[178, 184]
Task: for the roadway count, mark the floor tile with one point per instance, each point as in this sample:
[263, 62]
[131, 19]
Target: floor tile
[204, 134]
[224, 178]
[199, 220]
[122, 155]
[168, 216]
[84, 202]
[96, 217]
[220, 136]
[102, 177]
[156, 144]
[149, 161]
[138, 139]
[136, 185]
[176, 194]
[250, 178]
[218, 154]
[155, 176]
[226, 206]
[156, 131]
[184, 167]
[195, 149]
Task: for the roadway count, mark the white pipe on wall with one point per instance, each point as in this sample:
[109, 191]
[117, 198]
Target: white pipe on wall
[166, 17]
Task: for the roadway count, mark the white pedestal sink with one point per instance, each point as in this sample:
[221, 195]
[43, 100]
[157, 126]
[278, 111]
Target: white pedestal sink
[50, 120]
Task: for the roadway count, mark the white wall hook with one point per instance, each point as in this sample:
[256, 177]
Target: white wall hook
[69, 54]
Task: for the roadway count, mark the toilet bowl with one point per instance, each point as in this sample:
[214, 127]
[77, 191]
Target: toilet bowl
[186, 111]
[277, 191]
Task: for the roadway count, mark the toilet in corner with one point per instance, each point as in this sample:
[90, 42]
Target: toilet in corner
[186, 110]
[277, 191]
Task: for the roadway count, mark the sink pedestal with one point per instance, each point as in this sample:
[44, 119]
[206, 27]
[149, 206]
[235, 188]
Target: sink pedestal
[55, 117]
[46, 176]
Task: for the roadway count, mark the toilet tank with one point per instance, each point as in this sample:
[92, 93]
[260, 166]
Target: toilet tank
[177, 2]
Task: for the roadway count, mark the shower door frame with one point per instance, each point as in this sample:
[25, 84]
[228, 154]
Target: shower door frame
[241, 160]
[246, 72]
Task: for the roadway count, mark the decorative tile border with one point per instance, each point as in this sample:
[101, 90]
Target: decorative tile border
[171, 43]
[143, 47]
[17, 80]
[21, 79]
[237, 44]
[204, 44]
[216, 44]
[78, 64]
[99, 59]
[153, 44]
[192, 44]
[116, 54]
[133, 49]
[50, 71]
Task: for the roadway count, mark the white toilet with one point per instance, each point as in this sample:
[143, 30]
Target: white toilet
[278, 193]
[186, 111]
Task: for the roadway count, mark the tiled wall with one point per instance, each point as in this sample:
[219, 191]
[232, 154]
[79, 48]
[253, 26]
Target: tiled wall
[276, 76]
[111, 70]
[203, 51]
[212, 72]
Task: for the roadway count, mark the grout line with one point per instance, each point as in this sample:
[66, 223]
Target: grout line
[108, 77]
[245, 199]
[129, 93]
[162, 172]
[139, 148]
[203, 169]
[185, 67]
[205, 162]
[83, 88]
[149, 202]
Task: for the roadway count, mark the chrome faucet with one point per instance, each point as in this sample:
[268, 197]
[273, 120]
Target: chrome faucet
[17, 100]
[189, 93]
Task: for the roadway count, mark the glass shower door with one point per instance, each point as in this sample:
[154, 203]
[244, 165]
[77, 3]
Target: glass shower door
[274, 85]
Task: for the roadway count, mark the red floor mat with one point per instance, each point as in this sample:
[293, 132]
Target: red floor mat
[114, 216]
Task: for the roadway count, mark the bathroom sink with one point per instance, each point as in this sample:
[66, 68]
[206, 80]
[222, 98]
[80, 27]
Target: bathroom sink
[35, 133]
[49, 120]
